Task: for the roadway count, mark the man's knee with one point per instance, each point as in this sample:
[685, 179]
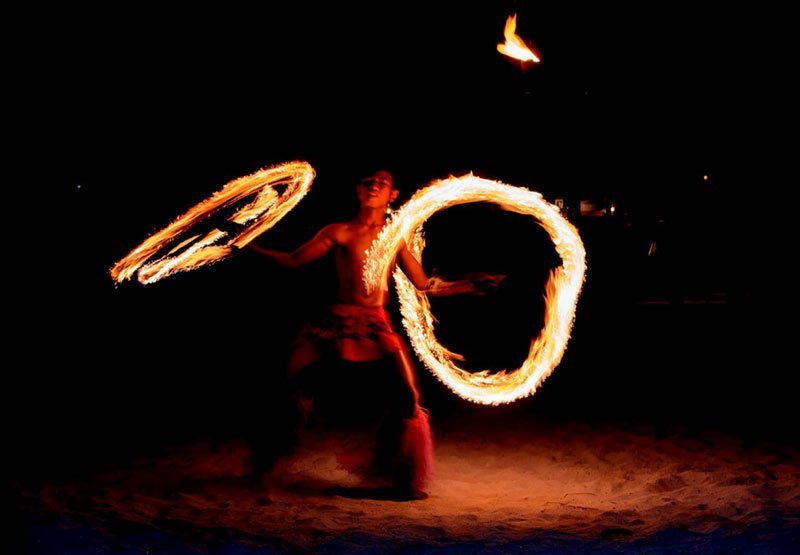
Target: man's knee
[303, 381]
[404, 399]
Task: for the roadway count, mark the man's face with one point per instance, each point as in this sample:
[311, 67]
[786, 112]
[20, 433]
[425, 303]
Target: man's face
[377, 191]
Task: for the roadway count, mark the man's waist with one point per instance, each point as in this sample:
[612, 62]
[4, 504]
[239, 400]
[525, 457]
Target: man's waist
[350, 307]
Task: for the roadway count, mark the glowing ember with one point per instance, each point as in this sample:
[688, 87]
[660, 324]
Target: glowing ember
[514, 47]
[561, 291]
[267, 208]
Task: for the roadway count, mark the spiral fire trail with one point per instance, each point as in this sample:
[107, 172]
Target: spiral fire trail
[263, 212]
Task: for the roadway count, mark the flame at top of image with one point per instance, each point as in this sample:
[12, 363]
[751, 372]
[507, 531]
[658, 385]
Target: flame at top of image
[515, 47]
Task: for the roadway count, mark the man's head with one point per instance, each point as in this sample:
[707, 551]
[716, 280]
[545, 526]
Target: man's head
[377, 190]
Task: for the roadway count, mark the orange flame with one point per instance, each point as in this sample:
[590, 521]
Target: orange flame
[515, 47]
[561, 291]
[267, 208]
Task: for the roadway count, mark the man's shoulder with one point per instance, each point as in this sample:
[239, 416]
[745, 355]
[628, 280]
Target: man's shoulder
[336, 230]
[337, 226]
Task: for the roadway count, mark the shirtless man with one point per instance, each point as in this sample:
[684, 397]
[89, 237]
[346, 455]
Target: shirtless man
[358, 327]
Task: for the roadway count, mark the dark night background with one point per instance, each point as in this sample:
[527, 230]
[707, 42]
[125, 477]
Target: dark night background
[141, 114]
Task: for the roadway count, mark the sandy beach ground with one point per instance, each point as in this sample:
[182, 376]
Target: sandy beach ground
[502, 483]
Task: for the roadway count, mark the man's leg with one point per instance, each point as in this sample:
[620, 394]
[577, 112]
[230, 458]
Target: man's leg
[293, 412]
[405, 441]
[302, 358]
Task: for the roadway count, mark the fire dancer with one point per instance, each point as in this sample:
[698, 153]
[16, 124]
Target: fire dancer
[357, 328]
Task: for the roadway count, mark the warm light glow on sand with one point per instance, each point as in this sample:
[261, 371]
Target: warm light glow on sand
[515, 47]
[265, 210]
[561, 291]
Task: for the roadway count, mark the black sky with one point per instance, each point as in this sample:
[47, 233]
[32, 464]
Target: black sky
[629, 98]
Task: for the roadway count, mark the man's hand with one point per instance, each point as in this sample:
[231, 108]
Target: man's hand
[478, 283]
[484, 283]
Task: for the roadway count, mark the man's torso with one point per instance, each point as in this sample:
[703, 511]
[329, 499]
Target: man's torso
[351, 242]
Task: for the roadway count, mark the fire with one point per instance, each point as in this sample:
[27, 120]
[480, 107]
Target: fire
[263, 212]
[514, 47]
[268, 207]
[561, 291]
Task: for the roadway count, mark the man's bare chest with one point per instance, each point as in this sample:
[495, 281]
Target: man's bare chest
[354, 245]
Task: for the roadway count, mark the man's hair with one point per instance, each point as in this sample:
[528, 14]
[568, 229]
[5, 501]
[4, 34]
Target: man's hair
[380, 171]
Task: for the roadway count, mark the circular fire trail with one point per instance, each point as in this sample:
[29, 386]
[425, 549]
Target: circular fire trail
[263, 212]
[561, 291]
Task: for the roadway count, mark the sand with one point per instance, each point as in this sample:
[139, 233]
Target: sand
[498, 481]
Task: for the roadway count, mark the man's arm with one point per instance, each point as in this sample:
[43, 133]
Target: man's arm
[320, 244]
[475, 284]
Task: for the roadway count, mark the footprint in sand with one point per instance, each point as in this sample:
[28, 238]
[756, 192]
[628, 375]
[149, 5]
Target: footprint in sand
[670, 483]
